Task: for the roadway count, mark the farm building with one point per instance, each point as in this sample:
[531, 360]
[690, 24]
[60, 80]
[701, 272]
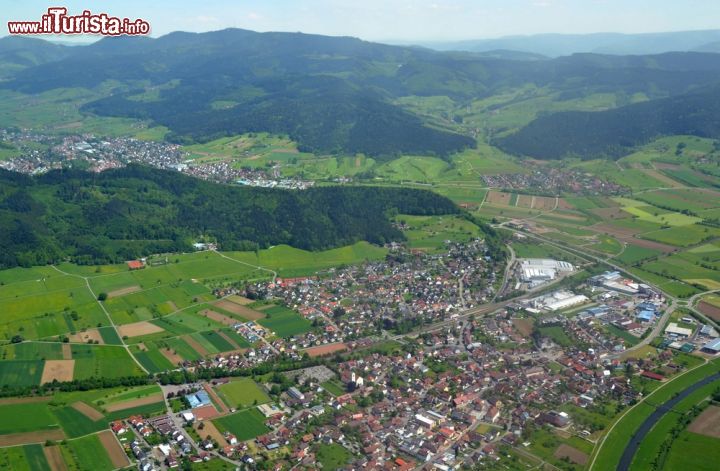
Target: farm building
[135, 264]
[712, 346]
[674, 329]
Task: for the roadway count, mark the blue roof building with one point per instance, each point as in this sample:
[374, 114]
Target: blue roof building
[198, 399]
[646, 316]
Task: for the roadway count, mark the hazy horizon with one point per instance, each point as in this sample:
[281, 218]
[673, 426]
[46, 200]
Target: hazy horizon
[398, 21]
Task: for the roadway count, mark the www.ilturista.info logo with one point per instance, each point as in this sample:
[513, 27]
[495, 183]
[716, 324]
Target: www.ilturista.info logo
[57, 21]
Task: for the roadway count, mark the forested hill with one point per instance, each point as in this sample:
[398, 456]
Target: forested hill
[332, 95]
[613, 133]
[126, 213]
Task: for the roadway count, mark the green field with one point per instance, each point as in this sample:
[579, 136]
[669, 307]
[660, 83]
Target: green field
[87, 453]
[333, 456]
[634, 254]
[557, 334]
[693, 451]
[23, 458]
[242, 392]
[33, 417]
[21, 372]
[284, 322]
[103, 362]
[245, 425]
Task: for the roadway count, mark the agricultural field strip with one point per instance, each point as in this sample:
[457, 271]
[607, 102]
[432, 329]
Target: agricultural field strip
[107, 314]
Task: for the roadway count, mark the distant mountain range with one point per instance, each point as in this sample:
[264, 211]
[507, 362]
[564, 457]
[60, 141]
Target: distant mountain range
[340, 95]
[555, 45]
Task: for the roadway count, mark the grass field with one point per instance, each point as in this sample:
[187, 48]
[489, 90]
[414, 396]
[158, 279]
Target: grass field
[333, 387]
[284, 322]
[332, 456]
[242, 392]
[245, 425]
[87, 453]
[34, 417]
[694, 451]
[557, 334]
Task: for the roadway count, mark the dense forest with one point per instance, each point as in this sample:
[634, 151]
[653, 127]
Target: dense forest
[613, 133]
[126, 213]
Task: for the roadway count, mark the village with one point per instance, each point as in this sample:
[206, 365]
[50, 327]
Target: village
[388, 394]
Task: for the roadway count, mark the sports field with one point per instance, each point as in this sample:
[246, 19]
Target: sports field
[245, 425]
[242, 392]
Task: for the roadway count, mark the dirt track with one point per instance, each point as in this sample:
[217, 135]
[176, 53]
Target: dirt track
[123, 291]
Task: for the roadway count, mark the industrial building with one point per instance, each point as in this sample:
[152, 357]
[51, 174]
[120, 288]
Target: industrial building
[674, 329]
[540, 270]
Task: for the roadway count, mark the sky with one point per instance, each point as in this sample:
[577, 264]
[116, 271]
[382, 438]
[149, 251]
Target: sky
[395, 20]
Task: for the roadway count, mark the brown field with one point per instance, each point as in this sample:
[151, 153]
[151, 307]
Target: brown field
[524, 326]
[141, 401]
[83, 337]
[524, 201]
[707, 423]
[563, 204]
[114, 450]
[87, 411]
[61, 370]
[229, 340]
[544, 203]
[627, 235]
[242, 311]
[138, 328]
[54, 458]
[210, 429]
[172, 357]
[498, 197]
[217, 317]
[205, 412]
[610, 213]
[195, 346]
[123, 291]
[243, 301]
[709, 310]
[23, 400]
[216, 399]
[328, 349]
[13, 439]
[573, 454]
[67, 351]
